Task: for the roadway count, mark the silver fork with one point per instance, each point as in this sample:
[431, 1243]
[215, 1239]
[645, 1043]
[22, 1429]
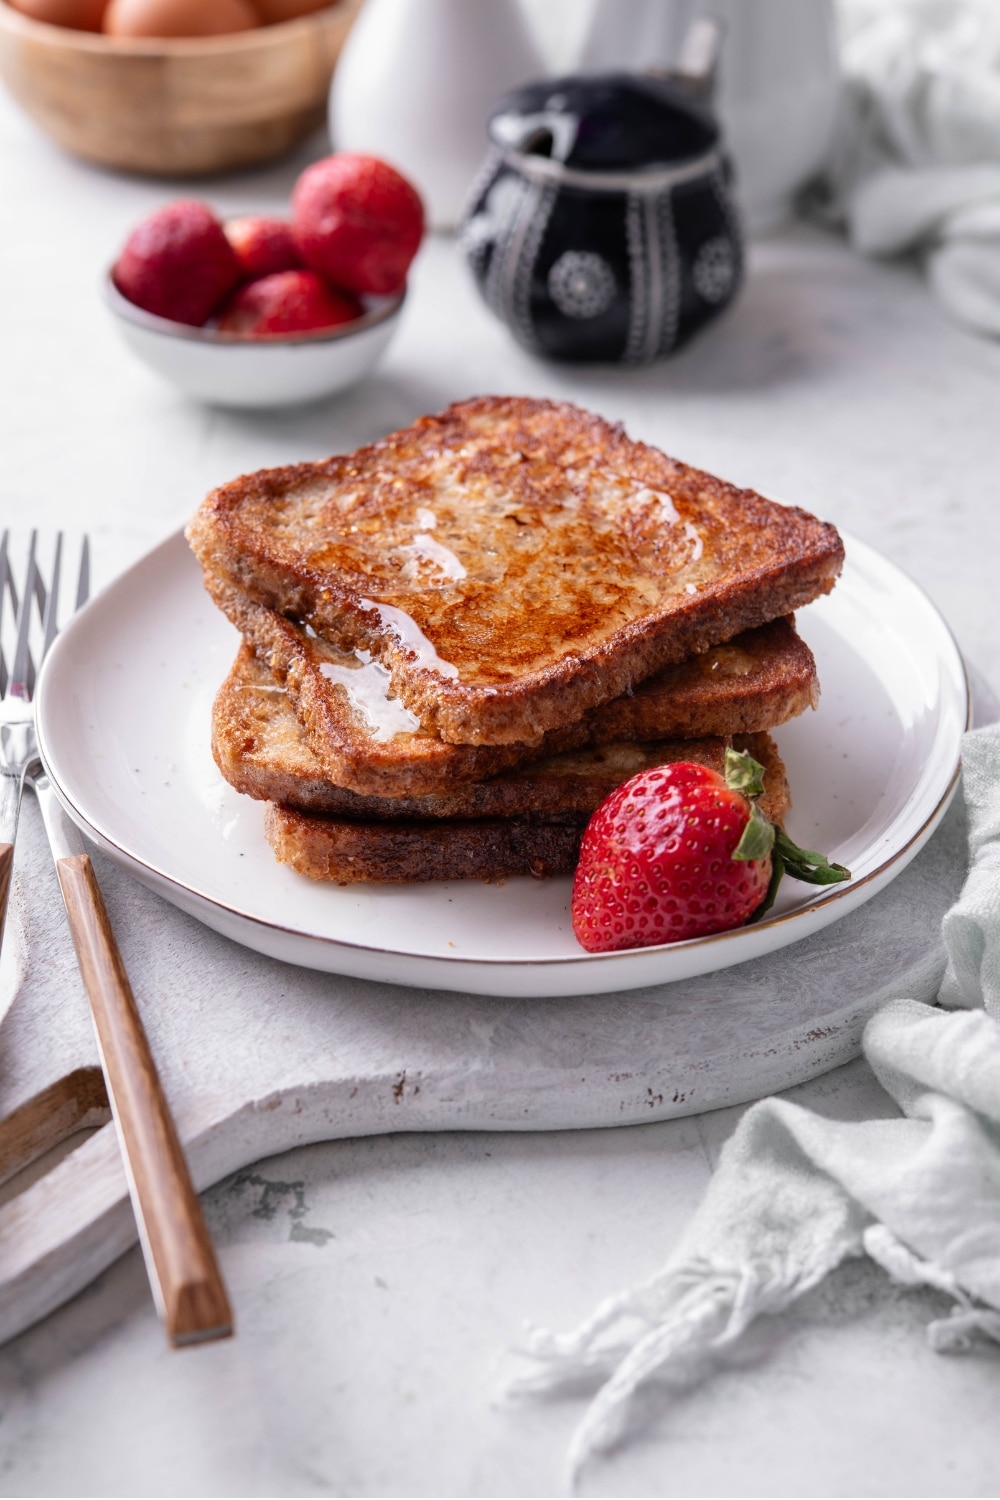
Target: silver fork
[17, 682]
[180, 1260]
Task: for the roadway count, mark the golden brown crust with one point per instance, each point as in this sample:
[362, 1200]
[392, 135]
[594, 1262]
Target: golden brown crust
[345, 750]
[393, 853]
[263, 751]
[541, 840]
[757, 682]
[535, 550]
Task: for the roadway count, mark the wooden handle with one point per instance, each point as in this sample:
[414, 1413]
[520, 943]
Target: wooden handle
[179, 1253]
[6, 871]
[77, 1101]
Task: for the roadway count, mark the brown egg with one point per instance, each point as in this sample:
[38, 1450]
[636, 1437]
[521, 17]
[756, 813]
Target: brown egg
[271, 11]
[78, 15]
[178, 17]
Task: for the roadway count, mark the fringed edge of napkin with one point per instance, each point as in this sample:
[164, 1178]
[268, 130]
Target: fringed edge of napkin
[687, 1317]
[968, 1320]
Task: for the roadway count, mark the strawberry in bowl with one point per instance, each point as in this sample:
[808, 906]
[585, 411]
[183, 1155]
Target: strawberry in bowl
[358, 222]
[177, 263]
[261, 312]
[262, 245]
[680, 852]
[287, 302]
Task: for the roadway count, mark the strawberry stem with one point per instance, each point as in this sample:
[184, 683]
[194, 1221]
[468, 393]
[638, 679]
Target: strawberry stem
[802, 864]
[806, 864]
[761, 837]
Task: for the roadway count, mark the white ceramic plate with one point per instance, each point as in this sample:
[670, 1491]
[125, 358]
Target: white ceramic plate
[123, 716]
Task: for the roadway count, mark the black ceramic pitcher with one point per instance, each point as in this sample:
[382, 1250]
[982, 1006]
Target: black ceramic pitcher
[603, 225]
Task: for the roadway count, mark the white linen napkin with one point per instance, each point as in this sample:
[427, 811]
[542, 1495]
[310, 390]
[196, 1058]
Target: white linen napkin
[917, 163]
[794, 1194]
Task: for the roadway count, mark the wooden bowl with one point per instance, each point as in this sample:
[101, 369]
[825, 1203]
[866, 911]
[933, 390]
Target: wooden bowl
[177, 106]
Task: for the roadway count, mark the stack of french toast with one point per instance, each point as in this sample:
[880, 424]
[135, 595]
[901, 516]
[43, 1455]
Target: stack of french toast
[459, 640]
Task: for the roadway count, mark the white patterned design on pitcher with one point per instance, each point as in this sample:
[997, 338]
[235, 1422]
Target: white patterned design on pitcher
[581, 284]
[714, 270]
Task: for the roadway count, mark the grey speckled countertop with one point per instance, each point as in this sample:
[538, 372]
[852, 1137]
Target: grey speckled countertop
[377, 1280]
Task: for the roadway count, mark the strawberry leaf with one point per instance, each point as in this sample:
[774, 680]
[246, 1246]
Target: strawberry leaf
[757, 838]
[746, 775]
[761, 837]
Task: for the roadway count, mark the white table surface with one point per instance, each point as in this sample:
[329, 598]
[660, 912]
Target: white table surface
[377, 1281]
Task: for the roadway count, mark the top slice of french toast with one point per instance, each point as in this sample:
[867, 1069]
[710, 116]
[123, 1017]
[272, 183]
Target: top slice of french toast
[513, 563]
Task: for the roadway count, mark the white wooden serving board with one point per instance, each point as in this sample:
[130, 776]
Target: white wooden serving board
[258, 1056]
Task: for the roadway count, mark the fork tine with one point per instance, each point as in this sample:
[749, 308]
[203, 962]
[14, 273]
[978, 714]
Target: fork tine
[9, 572]
[22, 672]
[83, 578]
[50, 623]
[29, 596]
[37, 582]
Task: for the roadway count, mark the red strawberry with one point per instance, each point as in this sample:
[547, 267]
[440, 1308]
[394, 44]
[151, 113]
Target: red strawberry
[177, 263]
[681, 852]
[263, 246]
[288, 302]
[358, 222]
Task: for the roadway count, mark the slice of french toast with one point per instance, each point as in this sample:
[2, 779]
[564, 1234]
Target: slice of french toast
[262, 752]
[473, 844]
[395, 853]
[512, 563]
[358, 735]
[333, 726]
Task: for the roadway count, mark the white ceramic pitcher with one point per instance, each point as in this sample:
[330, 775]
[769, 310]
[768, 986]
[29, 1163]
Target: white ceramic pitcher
[777, 90]
[416, 81]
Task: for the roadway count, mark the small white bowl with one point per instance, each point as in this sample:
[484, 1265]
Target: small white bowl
[227, 370]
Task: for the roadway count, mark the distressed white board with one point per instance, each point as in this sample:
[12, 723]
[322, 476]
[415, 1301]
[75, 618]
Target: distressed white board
[257, 1056]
